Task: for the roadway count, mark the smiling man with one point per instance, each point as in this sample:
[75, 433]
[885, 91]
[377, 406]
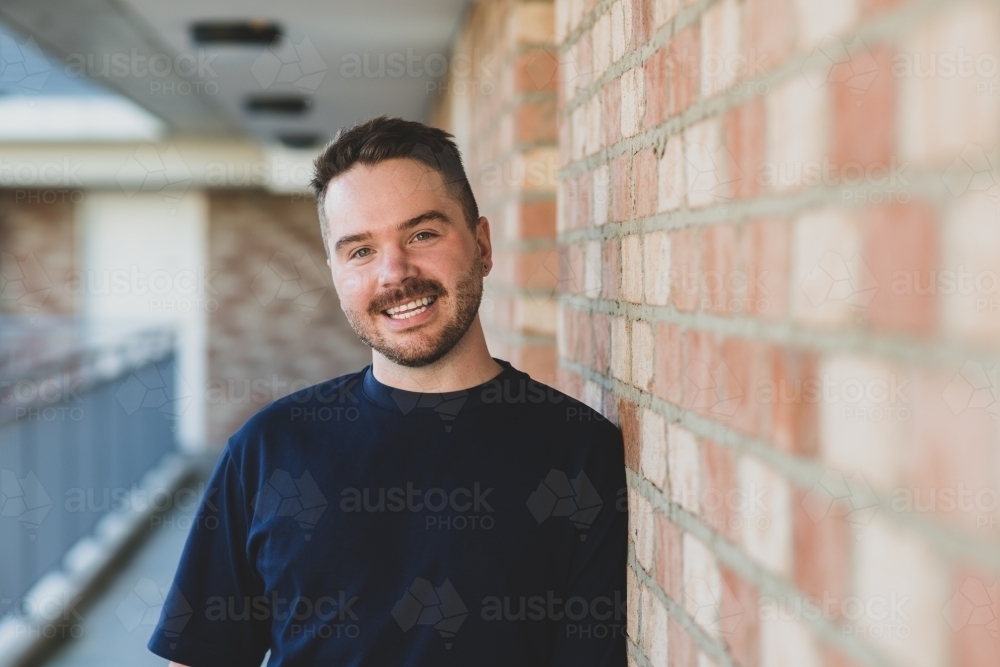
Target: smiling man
[439, 506]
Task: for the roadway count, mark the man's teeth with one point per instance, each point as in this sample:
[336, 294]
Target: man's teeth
[410, 309]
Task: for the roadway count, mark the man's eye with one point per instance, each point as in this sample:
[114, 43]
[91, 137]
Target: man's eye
[426, 232]
[358, 251]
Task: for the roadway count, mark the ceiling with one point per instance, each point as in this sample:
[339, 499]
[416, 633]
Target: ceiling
[201, 90]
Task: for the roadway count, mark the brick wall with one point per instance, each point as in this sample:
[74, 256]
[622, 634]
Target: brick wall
[275, 325]
[38, 252]
[766, 202]
[499, 99]
[779, 229]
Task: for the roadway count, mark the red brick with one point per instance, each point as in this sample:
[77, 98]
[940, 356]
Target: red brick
[765, 263]
[611, 103]
[656, 71]
[740, 627]
[864, 116]
[668, 359]
[583, 181]
[822, 552]
[743, 128]
[720, 249]
[646, 183]
[719, 499]
[621, 188]
[747, 363]
[536, 70]
[702, 391]
[681, 647]
[642, 21]
[669, 558]
[901, 251]
[602, 342]
[769, 26]
[685, 269]
[792, 393]
[537, 219]
[536, 121]
[977, 638]
[611, 270]
[685, 68]
[628, 414]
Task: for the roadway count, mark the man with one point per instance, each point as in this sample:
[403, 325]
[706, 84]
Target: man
[438, 507]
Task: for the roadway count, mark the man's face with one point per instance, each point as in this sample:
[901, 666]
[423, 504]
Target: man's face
[395, 237]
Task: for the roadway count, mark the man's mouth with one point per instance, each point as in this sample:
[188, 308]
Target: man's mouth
[408, 310]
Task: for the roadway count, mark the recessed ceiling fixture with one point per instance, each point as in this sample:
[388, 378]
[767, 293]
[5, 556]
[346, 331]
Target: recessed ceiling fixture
[256, 32]
[277, 104]
[299, 140]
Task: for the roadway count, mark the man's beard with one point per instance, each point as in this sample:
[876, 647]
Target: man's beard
[420, 351]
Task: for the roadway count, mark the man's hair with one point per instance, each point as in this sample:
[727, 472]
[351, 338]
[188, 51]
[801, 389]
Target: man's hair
[384, 138]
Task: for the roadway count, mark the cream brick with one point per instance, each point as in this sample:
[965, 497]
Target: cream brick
[641, 528]
[797, 133]
[633, 106]
[722, 61]
[618, 29]
[832, 285]
[632, 268]
[653, 454]
[534, 22]
[593, 120]
[671, 175]
[656, 268]
[709, 167]
[642, 355]
[592, 270]
[971, 244]
[620, 356]
[580, 131]
[817, 19]
[940, 111]
[663, 11]
[593, 395]
[702, 585]
[765, 515]
[601, 41]
[535, 316]
[851, 438]
[786, 642]
[654, 635]
[894, 564]
[601, 193]
[633, 603]
[705, 661]
[684, 468]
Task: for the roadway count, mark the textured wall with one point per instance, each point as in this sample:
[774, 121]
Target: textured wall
[781, 223]
[499, 100]
[278, 325]
[38, 252]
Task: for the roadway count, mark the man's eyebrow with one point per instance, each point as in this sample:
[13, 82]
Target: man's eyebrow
[432, 214]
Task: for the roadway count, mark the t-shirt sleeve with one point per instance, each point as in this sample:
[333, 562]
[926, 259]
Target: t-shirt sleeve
[208, 614]
[596, 637]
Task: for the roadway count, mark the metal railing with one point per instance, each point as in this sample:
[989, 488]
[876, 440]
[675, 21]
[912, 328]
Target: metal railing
[82, 418]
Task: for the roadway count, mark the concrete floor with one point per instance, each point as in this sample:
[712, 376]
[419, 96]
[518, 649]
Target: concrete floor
[113, 631]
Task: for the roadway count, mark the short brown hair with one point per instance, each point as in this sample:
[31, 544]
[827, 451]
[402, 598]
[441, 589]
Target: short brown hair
[384, 138]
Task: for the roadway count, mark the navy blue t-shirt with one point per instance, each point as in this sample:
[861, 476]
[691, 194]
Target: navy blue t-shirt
[353, 523]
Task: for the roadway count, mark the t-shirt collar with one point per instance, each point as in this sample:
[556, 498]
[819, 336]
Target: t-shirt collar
[406, 401]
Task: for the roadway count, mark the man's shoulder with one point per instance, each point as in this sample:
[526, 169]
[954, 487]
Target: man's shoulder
[552, 404]
[308, 404]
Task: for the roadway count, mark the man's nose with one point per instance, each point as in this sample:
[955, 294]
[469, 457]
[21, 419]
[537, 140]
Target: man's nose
[396, 267]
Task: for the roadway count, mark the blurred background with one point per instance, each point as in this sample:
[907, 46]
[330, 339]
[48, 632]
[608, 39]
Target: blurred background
[761, 236]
